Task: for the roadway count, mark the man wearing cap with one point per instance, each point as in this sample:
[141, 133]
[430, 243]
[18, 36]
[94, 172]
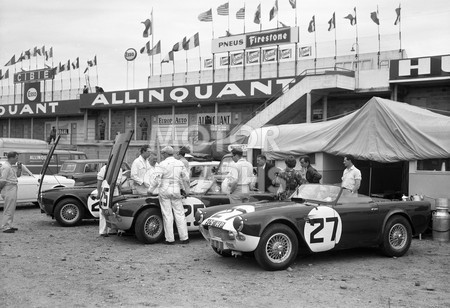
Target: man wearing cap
[181, 156]
[240, 178]
[139, 169]
[171, 176]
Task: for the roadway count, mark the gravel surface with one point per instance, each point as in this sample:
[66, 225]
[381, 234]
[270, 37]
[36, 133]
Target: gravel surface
[45, 265]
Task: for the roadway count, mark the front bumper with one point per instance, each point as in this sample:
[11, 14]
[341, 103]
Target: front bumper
[117, 221]
[46, 205]
[229, 240]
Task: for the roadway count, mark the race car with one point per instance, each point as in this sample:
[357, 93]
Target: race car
[317, 218]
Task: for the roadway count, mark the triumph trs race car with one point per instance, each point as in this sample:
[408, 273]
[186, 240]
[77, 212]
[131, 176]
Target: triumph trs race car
[317, 218]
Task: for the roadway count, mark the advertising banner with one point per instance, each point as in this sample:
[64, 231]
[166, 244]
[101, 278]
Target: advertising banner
[32, 76]
[32, 92]
[224, 60]
[425, 68]
[46, 109]
[305, 51]
[255, 39]
[233, 91]
[237, 58]
[253, 56]
[285, 53]
[208, 63]
[270, 55]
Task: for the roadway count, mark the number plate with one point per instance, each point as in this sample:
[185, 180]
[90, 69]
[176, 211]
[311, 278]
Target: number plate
[217, 244]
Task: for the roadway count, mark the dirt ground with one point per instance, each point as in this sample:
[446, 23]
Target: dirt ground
[45, 265]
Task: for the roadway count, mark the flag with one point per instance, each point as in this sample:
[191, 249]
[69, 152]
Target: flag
[223, 9]
[241, 13]
[156, 49]
[60, 68]
[76, 64]
[293, 3]
[206, 16]
[305, 51]
[36, 52]
[6, 76]
[27, 55]
[352, 18]
[168, 58]
[228, 33]
[20, 58]
[180, 45]
[92, 63]
[146, 48]
[193, 42]
[374, 17]
[312, 24]
[148, 28]
[273, 11]
[208, 63]
[397, 11]
[332, 22]
[86, 70]
[67, 65]
[257, 19]
[283, 25]
[49, 54]
[12, 61]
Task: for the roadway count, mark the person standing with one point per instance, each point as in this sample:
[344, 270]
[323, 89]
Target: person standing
[312, 175]
[289, 179]
[170, 177]
[240, 178]
[153, 162]
[52, 135]
[144, 128]
[351, 178]
[264, 181]
[102, 128]
[8, 190]
[103, 229]
[139, 169]
[182, 156]
[85, 89]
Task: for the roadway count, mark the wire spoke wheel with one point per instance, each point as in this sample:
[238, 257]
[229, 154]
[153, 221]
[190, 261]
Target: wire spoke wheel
[397, 236]
[278, 247]
[69, 212]
[153, 226]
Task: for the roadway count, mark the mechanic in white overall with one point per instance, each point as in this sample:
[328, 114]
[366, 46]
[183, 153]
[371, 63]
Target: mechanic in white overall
[103, 229]
[8, 190]
[171, 177]
[139, 169]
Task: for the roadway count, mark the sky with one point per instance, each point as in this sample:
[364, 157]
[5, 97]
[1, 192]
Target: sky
[106, 28]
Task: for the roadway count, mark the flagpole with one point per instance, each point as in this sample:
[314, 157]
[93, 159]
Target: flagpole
[357, 42]
[53, 79]
[315, 45]
[79, 76]
[70, 80]
[96, 67]
[187, 67]
[379, 41]
[213, 66]
[400, 27]
[244, 16]
[335, 41]
[153, 32]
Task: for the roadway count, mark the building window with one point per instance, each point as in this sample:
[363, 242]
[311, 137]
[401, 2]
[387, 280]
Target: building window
[434, 164]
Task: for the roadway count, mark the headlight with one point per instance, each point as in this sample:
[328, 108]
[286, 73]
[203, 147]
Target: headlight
[238, 223]
[116, 208]
[198, 216]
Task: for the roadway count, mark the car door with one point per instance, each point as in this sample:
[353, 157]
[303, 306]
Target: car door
[361, 220]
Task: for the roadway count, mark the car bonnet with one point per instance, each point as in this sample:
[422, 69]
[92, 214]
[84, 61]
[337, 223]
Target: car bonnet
[47, 162]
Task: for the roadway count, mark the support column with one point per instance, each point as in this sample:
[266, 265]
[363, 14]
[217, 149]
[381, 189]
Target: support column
[31, 127]
[109, 123]
[173, 124]
[135, 123]
[85, 124]
[308, 107]
[325, 108]
[394, 94]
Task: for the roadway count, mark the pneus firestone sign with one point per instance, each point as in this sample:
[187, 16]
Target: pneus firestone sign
[222, 91]
[255, 40]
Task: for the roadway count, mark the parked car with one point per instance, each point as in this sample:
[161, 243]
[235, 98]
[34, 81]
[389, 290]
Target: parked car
[70, 206]
[84, 171]
[28, 184]
[317, 218]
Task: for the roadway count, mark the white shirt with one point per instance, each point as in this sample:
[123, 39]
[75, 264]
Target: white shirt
[139, 168]
[101, 177]
[241, 173]
[170, 176]
[350, 176]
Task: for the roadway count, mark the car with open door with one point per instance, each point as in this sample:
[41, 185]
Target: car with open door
[317, 218]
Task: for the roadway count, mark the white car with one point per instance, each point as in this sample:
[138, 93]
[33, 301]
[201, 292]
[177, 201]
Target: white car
[28, 185]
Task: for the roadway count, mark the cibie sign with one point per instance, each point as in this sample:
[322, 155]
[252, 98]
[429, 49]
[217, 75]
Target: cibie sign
[130, 54]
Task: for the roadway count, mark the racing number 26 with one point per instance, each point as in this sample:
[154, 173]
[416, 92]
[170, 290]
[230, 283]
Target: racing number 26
[321, 222]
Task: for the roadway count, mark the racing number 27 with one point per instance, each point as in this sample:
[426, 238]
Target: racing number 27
[321, 222]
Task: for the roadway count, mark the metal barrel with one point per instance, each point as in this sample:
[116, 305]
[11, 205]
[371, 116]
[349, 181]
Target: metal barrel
[441, 221]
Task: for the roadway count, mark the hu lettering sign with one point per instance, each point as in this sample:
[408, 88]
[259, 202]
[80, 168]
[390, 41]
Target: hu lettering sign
[425, 68]
[224, 91]
[46, 109]
[32, 93]
[210, 118]
[32, 76]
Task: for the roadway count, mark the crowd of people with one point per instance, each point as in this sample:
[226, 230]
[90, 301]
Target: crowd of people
[169, 179]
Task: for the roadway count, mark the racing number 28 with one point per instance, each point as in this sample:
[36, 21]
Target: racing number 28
[321, 222]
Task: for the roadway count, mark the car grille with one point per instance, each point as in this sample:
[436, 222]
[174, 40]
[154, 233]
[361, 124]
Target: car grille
[220, 233]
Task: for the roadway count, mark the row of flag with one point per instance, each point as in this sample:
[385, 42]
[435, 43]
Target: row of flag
[26, 55]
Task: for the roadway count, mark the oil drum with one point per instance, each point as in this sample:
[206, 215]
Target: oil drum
[441, 221]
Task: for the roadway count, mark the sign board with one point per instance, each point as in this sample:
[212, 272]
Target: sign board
[38, 109]
[130, 54]
[420, 69]
[255, 40]
[32, 93]
[32, 76]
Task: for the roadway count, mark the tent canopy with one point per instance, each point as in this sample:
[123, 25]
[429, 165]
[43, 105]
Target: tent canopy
[382, 130]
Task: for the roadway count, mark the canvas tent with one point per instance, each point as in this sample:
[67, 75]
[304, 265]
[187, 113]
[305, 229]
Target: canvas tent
[382, 130]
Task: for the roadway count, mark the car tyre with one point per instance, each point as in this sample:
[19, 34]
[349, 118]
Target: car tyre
[224, 254]
[149, 227]
[277, 248]
[397, 237]
[69, 212]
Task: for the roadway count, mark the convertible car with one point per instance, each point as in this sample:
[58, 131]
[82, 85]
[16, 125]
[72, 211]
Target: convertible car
[317, 218]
